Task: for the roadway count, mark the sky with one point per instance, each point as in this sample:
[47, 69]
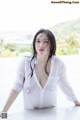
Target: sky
[31, 15]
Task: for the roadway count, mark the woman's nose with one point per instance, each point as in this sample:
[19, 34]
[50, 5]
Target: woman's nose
[41, 44]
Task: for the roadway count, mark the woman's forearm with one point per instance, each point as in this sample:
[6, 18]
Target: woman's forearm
[10, 100]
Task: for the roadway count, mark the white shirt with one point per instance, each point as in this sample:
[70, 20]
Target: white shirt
[34, 95]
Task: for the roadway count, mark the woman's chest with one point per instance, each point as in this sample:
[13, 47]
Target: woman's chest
[41, 74]
[42, 77]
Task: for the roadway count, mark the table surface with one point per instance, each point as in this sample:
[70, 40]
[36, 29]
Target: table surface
[57, 113]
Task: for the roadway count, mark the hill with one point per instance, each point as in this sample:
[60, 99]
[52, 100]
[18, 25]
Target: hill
[65, 30]
[67, 36]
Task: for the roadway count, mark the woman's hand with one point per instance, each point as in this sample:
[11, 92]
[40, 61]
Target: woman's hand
[77, 103]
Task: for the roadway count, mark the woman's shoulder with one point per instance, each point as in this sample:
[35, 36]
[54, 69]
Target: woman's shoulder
[59, 63]
[26, 58]
[58, 60]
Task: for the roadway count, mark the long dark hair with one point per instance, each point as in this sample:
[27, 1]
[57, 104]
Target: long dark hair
[52, 40]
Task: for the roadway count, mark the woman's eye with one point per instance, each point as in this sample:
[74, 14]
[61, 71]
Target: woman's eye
[46, 42]
[37, 41]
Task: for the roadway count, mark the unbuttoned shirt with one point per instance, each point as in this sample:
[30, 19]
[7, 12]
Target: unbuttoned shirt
[36, 96]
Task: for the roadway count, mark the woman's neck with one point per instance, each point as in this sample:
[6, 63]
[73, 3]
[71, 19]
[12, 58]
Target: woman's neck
[41, 59]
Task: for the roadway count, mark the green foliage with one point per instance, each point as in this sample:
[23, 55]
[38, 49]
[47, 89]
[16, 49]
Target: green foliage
[11, 50]
[23, 49]
[10, 47]
[66, 50]
[7, 53]
[72, 42]
[70, 47]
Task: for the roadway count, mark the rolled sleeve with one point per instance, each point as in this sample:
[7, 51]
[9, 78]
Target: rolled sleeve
[20, 76]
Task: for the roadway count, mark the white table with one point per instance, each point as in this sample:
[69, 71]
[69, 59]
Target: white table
[63, 113]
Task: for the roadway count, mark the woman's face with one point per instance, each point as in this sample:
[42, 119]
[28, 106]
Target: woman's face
[42, 44]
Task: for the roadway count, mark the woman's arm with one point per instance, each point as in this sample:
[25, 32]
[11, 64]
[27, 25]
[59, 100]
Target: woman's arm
[18, 85]
[13, 95]
[65, 86]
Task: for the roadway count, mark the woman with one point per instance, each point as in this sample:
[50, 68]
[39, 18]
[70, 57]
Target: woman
[39, 75]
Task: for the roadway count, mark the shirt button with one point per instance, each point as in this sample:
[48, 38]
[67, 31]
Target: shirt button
[27, 91]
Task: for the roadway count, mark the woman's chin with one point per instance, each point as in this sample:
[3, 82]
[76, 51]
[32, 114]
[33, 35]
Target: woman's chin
[42, 53]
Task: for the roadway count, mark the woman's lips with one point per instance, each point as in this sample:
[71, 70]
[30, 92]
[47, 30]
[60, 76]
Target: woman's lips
[41, 49]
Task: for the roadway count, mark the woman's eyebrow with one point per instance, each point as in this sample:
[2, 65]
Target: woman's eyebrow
[46, 39]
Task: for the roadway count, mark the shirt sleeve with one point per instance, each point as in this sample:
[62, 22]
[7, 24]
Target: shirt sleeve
[64, 84]
[20, 76]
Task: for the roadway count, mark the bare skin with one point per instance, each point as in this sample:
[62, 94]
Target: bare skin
[40, 72]
[10, 100]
